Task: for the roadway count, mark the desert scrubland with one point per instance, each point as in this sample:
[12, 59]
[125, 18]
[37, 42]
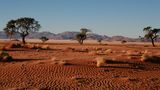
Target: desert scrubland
[70, 66]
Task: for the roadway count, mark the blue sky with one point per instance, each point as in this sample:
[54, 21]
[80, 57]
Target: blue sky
[109, 17]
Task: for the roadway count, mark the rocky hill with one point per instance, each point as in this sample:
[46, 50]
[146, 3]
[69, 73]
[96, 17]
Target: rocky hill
[69, 35]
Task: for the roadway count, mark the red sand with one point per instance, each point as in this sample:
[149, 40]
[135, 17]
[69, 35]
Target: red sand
[35, 70]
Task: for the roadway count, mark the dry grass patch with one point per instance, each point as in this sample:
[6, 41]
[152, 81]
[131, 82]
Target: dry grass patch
[12, 44]
[37, 46]
[100, 61]
[132, 57]
[108, 51]
[99, 52]
[45, 47]
[133, 53]
[81, 50]
[59, 62]
[123, 51]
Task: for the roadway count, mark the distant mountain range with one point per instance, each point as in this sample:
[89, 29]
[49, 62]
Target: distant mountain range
[71, 35]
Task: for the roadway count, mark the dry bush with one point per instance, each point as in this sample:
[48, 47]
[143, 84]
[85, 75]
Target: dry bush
[144, 57]
[5, 57]
[108, 51]
[97, 48]
[133, 53]
[147, 52]
[37, 46]
[82, 50]
[100, 52]
[45, 47]
[63, 62]
[13, 45]
[123, 51]
[30, 46]
[100, 61]
[59, 62]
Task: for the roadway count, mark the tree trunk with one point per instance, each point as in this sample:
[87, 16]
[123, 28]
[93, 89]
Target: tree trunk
[23, 39]
[152, 42]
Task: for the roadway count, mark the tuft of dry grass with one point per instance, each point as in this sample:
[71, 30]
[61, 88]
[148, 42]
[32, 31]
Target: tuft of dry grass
[31, 46]
[132, 57]
[37, 46]
[144, 57]
[133, 53]
[12, 45]
[147, 52]
[82, 50]
[59, 62]
[108, 51]
[63, 62]
[99, 52]
[100, 61]
[97, 48]
[45, 47]
[123, 51]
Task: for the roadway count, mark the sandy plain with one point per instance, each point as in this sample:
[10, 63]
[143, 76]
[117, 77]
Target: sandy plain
[70, 66]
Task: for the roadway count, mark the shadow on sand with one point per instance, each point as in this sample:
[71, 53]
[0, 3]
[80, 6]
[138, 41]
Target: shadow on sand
[25, 59]
[124, 65]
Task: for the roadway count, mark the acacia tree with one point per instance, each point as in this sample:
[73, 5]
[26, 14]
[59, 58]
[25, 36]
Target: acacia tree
[23, 26]
[10, 29]
[151, 34]
[82, 35]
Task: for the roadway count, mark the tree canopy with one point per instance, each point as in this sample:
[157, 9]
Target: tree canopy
[82, 35]
[10, 28]
[23, 26]
[151, 33]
